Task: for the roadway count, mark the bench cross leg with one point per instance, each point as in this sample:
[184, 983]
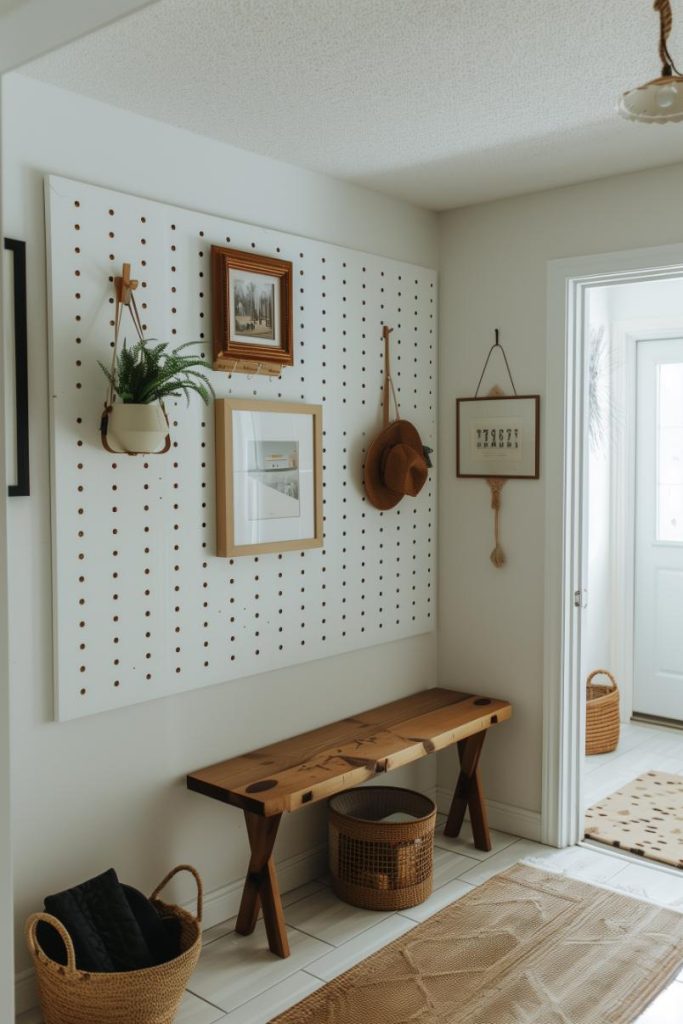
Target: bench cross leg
[469, 793]
[261, 889]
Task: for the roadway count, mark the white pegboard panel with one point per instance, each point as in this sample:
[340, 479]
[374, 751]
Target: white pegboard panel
[143, 606]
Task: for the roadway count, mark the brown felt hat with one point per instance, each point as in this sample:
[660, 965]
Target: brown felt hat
[395, 465]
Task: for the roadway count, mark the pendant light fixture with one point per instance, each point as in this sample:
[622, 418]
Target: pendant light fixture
[661, 100]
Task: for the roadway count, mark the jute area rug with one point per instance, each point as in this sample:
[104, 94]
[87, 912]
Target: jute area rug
[644, 817]
[527, 947]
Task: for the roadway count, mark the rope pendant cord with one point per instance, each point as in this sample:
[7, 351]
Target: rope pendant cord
[663, 7]
[497, 555]
[496, 485]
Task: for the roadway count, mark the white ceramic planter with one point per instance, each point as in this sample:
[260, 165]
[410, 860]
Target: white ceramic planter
[137, 428]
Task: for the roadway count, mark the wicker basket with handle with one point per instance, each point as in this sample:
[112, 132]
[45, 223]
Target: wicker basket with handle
[602, 713]
[148, 996]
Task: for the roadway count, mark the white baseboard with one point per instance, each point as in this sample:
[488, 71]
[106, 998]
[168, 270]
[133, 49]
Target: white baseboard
[219, 905]
[516, 821]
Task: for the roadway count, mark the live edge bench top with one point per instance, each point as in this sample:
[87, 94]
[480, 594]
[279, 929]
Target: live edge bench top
[315, 765]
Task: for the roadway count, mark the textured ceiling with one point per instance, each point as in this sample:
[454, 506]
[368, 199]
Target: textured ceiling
[442, 102]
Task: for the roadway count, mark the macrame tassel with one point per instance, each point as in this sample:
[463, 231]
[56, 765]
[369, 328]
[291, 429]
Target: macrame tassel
[497, 555]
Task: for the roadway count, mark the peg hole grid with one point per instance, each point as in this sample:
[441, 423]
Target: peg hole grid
[143, 607]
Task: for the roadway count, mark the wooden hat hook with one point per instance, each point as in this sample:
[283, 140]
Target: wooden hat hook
[389, 383]
[125, 286]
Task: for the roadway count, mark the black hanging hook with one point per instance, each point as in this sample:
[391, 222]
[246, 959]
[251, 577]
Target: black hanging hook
[495, 345]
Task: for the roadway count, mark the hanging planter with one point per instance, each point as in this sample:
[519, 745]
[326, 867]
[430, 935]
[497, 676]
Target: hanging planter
[134, 420]
[138, 428]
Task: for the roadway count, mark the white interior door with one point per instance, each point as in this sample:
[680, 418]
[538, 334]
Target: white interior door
[658, 666]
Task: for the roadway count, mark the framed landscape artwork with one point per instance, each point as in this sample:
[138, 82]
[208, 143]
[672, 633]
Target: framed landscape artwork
[498, 437]
[268, 476]
[252, 303]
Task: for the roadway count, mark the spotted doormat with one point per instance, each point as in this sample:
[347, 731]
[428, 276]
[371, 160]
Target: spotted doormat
[644, 817]
[526, 947]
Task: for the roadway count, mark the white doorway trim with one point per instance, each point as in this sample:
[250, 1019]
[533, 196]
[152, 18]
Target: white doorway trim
[564, 431]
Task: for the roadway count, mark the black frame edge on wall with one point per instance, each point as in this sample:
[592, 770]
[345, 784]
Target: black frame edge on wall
[18, 249]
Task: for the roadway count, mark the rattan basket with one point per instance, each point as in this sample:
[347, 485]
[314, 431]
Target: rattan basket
[381, 865]
[602, 713]
[148, 996]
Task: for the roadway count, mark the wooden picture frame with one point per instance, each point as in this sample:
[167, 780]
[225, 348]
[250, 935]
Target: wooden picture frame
[19, 329]
[268, 476]
[252, 310]
[498, 437]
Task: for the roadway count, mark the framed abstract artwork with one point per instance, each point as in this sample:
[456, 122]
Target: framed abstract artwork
[268, 476]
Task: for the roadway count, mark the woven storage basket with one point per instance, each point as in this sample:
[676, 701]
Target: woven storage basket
[381, 865]
[602, 713]
[148, 996]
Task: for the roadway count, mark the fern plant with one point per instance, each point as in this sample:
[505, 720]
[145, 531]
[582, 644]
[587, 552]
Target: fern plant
[148, 373]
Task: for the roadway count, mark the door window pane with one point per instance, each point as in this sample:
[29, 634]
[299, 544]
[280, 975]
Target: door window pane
[670, 452]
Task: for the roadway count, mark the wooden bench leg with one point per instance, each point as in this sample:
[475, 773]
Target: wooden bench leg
[469, 793]
[260, 886]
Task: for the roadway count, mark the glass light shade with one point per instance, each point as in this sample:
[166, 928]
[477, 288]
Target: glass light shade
[657, 102]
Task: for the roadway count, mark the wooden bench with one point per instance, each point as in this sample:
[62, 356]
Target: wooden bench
[313, 766]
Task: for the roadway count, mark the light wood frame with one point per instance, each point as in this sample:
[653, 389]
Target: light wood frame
[229, 352]
[225, 525]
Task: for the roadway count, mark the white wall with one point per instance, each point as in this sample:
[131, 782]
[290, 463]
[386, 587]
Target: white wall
[28, 28]
[6, 875]
[110, 789]
[493, 274]
[31, 28]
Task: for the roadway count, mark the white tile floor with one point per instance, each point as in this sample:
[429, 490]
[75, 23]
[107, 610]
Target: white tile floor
[641, 748]
[239, 982]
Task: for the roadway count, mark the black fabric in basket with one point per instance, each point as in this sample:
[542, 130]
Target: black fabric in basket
[113, 927]
[162, 934]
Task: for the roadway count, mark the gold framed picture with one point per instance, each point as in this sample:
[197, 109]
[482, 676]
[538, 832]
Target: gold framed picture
[252, 308]
[268, 476]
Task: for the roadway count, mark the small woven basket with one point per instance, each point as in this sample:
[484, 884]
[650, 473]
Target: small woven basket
[602, 713]
[148, 996]
[381, 865]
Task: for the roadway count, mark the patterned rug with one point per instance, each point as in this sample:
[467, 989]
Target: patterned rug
[645, 817]
[527, 947]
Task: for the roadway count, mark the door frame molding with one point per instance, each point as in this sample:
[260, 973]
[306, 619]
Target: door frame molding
[568, 284]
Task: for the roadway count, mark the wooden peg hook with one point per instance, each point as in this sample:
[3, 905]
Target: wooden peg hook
[386, 332]
[125, 285]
